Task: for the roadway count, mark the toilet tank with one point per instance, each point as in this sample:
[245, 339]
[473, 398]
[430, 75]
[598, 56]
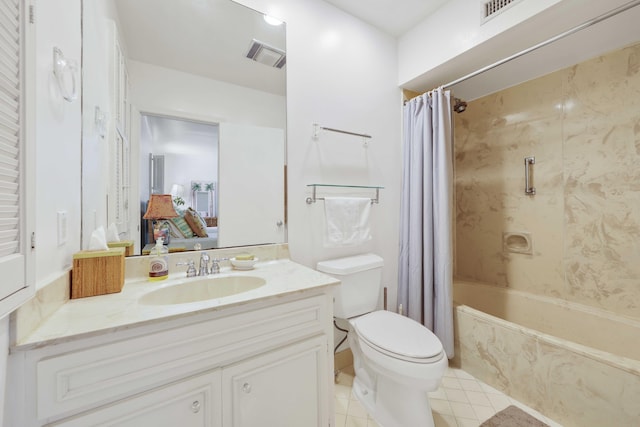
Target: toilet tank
[361, 277]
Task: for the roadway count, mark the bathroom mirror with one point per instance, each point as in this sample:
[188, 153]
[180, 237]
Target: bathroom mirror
[200, 85]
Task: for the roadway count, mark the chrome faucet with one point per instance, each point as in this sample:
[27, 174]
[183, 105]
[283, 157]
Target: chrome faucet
[204, 264]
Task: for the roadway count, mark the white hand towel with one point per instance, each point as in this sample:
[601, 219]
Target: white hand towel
[347, 221]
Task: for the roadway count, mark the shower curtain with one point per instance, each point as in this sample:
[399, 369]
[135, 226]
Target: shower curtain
[426, 233]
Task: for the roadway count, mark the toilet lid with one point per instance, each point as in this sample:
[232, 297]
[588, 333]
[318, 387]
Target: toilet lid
[398, 335]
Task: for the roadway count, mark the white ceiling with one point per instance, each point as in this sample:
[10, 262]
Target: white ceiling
[209, 38]
[394, 17]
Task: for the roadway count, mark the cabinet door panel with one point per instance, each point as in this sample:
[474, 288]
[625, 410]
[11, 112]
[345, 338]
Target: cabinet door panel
[286, 388]
[194, 402]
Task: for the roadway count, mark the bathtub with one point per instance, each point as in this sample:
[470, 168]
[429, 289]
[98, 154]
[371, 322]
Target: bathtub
[578, 365]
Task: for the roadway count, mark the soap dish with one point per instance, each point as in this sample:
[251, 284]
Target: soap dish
[243, 264]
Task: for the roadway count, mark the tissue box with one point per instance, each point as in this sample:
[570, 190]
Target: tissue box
[97, 272]
[126, 244]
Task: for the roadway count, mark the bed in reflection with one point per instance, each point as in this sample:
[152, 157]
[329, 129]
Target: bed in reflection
[209, 242]
[187, 232]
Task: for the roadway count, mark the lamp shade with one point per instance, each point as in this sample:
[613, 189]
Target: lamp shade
[160, 207]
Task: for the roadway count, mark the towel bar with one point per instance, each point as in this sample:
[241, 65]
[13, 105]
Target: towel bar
[314, 198]
[317, 128]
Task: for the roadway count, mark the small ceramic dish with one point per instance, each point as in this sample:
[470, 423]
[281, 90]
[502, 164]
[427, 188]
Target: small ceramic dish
[243, 264]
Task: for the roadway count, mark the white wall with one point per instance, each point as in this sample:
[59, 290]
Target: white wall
[341, 73]
[58, 126]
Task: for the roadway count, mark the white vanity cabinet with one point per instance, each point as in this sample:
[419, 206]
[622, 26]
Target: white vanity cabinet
[280, 388]
[261, 363]
[194, 402]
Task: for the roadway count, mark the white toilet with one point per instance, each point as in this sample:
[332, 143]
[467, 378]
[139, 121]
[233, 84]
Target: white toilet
[397, 360]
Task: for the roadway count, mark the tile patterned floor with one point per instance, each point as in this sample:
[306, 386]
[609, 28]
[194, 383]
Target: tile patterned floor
[461, 401]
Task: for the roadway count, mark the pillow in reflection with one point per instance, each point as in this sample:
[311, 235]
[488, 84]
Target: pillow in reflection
[195, 221]
[183, 227]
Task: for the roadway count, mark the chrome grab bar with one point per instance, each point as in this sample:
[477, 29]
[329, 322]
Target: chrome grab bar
[529, 190]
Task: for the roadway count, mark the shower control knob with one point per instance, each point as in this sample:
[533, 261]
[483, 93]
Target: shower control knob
[246, 387]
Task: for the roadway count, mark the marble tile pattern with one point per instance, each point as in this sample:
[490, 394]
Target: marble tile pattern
[582, 125]
[460, 401]
[590, 327]
[85, 317]
[576, 389]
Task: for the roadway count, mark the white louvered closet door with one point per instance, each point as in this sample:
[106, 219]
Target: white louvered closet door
[14, 155]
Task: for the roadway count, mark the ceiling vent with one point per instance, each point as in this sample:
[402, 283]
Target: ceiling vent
[267, 55]
[493, 8]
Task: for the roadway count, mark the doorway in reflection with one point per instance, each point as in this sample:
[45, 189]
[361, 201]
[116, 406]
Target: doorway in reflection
[183, 162]
[226, 180]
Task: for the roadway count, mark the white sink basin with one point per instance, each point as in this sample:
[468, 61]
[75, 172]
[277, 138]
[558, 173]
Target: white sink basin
[202, 289]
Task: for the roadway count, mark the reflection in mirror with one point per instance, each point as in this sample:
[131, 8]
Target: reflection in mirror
[183, 161]
[192, 97]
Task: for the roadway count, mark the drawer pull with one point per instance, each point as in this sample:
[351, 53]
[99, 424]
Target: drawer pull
[195, 407]
[246, 387]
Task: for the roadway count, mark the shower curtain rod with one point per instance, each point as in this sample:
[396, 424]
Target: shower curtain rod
[573, 30]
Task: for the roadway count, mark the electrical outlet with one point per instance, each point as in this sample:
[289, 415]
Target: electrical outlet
[62, 227]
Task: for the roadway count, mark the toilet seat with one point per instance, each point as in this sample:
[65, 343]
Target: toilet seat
[398, 337]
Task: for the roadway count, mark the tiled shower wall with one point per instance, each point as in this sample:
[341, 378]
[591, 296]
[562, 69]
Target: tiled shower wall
[582, 124]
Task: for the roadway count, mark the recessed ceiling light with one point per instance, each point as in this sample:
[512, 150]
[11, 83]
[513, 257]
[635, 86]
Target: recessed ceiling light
[271, 20]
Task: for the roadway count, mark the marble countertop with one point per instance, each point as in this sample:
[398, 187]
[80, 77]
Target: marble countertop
[85, 317]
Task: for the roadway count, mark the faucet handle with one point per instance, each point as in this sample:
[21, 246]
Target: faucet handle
[191, 267]
[215, 265]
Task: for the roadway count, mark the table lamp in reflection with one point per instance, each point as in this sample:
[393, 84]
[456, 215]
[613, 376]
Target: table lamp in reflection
[159, 209]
